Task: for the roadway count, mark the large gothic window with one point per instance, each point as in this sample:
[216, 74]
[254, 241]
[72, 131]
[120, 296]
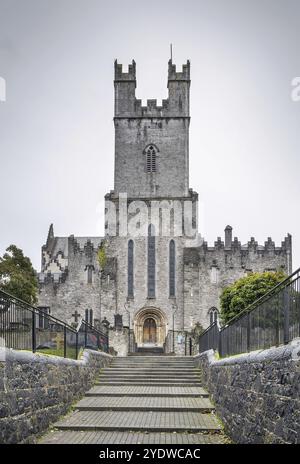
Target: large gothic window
[90, 269]
[151, 261]
[172, 268]
[130, 268]
[151, 158]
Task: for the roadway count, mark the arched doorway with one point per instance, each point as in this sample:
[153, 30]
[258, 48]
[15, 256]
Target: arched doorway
[149, 330]
[150, 327]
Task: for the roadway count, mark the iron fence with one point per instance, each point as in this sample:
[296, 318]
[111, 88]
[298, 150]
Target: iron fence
[272, 320]
[26, 327]
[92, 338]
[209, 339]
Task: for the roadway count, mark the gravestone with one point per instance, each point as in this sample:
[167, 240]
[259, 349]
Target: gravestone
[118, 322]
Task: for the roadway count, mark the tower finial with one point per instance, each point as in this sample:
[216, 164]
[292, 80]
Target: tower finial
[50, 236]
[171, 52]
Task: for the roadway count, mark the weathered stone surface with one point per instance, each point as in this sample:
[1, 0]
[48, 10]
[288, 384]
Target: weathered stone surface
[37, 389]
[256, 394]
[154, 408]
[70, 277]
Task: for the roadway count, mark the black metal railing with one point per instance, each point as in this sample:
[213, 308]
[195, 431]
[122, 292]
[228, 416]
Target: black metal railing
[26, 327]
[272, 320]
[92, 338]
[209, 339]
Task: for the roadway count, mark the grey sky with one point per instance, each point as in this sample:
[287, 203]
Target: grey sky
[56, 129]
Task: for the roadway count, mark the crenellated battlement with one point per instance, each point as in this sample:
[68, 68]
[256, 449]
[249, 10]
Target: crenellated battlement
[184, 75]
[151, 109]
[123, 76]
[270, 255]
[58, 251]
[128, 106]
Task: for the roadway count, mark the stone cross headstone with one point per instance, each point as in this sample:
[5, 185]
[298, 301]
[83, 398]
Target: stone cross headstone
[76, 316]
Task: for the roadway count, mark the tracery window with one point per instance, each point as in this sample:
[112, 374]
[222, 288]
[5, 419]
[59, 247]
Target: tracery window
[130, 268]
[89, 318]
[151, 261]
[213, 315]
[172, 268]
[151, 158]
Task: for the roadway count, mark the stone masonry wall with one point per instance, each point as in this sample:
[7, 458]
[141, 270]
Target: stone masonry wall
[72, 292]
[35, 390]
[257, 394]
[208, 270]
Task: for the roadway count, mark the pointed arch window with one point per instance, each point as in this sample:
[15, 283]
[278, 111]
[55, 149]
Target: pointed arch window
[151, 157]
[172, 268]
[151, 261]
[89, 317]
[213, 315]
[90, 270]
[90, 275]
[130, 268]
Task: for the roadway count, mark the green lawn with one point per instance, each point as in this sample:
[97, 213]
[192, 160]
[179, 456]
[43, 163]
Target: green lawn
[71, 352]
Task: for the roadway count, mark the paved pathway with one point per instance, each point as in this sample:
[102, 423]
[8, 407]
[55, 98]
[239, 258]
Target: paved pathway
[154, 400]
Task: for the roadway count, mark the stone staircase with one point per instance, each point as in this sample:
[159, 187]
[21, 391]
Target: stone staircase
[148, 351]
[154, 400]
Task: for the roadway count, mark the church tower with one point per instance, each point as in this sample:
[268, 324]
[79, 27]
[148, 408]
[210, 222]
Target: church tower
[152, 142]
[152, 167]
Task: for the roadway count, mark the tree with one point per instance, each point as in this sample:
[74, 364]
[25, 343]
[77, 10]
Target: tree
[246, 291]
[102, 258]
[197, 330]
[17, 276]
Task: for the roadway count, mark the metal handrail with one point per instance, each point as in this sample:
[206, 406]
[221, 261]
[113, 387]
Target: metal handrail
[16, 304]
[208, 328]
[90, 326]
[36, 310]
[239, 333]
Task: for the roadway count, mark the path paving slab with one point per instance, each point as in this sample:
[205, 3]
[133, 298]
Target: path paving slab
[131, 438]
[140, 420]
[146, 390]
[145, 404]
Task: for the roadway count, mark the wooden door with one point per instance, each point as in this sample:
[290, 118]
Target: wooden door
[149, 332]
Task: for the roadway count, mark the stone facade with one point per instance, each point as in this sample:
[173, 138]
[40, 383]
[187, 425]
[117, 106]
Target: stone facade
[151, 169]
[36, 389]
[256, 395]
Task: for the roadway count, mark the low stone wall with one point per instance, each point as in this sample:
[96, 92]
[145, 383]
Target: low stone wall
[36, 389]
[257, 395]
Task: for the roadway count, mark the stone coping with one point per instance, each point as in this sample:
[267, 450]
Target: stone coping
[20, 356]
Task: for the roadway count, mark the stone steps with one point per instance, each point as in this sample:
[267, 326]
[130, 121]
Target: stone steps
[154, 359]
[153, 376]
[147, 391]
[153, 364]
[143, 371]
[131, 438]
[150, 421]
[138, 397]
[123, 403]
[144, 383]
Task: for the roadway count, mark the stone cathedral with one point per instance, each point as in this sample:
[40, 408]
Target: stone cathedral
[154, 280]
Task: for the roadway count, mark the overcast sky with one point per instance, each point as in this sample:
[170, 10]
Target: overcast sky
[56, 126]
